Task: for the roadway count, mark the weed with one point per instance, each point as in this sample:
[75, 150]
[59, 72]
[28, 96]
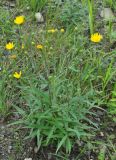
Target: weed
[112, 102]
[59, 73]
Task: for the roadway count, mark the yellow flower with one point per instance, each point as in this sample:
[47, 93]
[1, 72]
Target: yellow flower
[19, 20]
[13, 56]
[39, 46]
[17, 75]
[62, 30]
[52, 30]
[9, 46]
[96, 37]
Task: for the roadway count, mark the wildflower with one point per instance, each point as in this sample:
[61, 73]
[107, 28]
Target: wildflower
[62, 30]
[52, 30]
[39, 46]
[96, 37]
[19, 20]
[17, 75]
[9, 46]
[13, 56]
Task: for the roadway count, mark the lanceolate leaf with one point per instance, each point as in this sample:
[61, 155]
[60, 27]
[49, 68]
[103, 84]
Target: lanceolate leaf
[61, 143]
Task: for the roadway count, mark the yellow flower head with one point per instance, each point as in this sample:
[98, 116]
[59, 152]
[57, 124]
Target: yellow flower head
[9, 46]
[39, 46]
[52, 30]
[62, 30]
[17, 75]
[13, 56]
[96, 37]
[19, 20]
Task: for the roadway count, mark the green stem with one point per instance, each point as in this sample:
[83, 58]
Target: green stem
[91, 19]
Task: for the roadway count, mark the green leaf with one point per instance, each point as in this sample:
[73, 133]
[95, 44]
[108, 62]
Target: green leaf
[39, 139]
[113, 100]
[20, 111]
[75, 131]
[68, 145]
[109, 74]
[61, 143]
[17, 122]
[50, 135]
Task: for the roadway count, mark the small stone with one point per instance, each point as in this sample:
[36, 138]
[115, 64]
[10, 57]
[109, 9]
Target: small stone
[28, 159]
[2, 127]
[12, 4]
[98, 119]
[30, 148]
[102, 134]
[107, 14]
[24, 154]
[36, 149]
[39, 17]
[9, 149]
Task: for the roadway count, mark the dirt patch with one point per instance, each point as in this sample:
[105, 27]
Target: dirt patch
[12, 143]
